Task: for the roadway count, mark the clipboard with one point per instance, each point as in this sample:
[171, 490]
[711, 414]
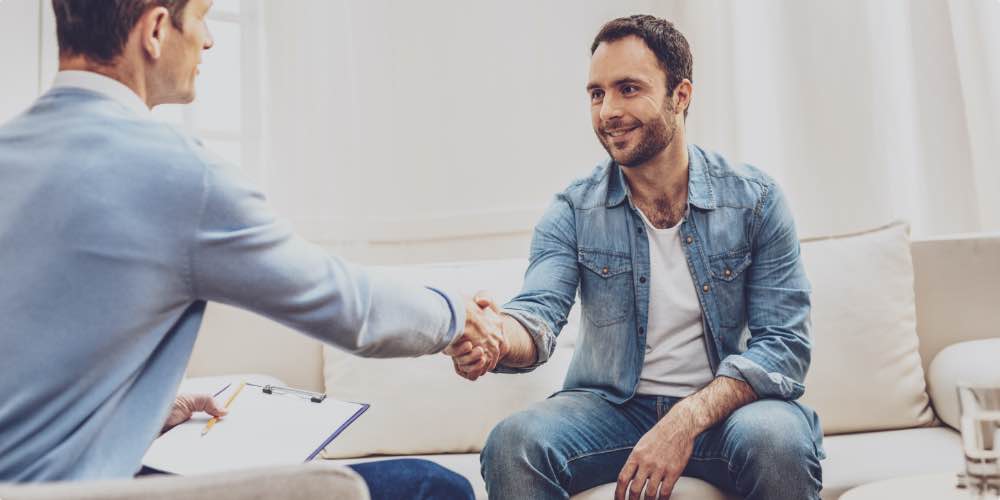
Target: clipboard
[267, 425]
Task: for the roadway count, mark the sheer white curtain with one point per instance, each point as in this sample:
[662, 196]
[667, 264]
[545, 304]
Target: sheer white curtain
[396, 120]
[864, 110]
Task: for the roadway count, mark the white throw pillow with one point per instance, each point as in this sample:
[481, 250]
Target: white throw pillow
[866, 372]
[419, 405]
[973, 364]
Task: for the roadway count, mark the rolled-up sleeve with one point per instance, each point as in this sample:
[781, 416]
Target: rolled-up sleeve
[243, 255]
[778, 352]
[550, 283]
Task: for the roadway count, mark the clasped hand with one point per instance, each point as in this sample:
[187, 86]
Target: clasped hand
[482, 343]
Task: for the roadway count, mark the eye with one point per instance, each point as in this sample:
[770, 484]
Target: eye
[629, 89]
[596, 95]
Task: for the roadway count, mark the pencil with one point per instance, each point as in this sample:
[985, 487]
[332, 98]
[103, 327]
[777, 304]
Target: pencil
[229, 401]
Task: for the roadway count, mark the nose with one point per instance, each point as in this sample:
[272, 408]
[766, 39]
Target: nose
[209, 41]
[610, 108]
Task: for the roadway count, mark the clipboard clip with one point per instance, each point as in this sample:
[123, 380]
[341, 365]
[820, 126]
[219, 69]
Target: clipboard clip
[315, 397]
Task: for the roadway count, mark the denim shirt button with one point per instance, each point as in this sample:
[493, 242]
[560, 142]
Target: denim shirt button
[638, 230]
[642, 279]
[604, 271]
[641, 330]
[705, 287]
[728, 272]
[690, 240]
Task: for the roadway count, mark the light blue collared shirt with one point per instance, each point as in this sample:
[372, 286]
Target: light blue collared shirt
[115, 230]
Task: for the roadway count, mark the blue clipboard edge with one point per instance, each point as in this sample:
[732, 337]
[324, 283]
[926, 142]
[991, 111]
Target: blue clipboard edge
[364, 408]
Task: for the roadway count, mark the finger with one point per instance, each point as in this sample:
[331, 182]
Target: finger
[635, 490]
[487, 302]
[624, 477]
[478, 366]
[461, 349]
[488, 339]
[459, 372]
[483, 298]
[474, 357]
[653, 486]
[668, 485]
[207, 404]
[455, 344]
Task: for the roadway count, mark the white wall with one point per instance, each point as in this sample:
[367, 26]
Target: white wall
[19, 55]
[427, 125]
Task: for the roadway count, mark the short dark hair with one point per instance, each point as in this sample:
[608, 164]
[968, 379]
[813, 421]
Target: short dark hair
[98, 29]
[669, 45]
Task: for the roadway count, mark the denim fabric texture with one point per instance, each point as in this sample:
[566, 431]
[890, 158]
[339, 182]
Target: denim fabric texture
[574, 441]
[742, 250]
[414, 479]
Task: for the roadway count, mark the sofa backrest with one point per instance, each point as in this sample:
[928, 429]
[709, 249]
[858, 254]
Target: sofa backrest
[957, 283]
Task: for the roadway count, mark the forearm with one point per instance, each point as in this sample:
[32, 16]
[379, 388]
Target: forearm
[522, 349]
[712, 404]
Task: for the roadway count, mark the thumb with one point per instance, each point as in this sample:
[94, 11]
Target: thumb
[483, 299]
[207, 404]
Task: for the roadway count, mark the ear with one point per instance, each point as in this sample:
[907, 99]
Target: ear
[682, 96]
[153, 30]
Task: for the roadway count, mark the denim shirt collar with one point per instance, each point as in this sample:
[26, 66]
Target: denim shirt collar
[700, 193]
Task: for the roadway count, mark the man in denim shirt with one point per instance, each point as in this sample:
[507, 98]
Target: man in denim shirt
[695, 333]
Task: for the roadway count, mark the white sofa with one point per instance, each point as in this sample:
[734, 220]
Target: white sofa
[883, 309]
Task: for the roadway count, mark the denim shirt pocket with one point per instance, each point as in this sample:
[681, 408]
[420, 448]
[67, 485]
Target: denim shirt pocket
[728, 271]
[606, 285]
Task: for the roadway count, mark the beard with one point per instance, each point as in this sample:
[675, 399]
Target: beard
[653, 138]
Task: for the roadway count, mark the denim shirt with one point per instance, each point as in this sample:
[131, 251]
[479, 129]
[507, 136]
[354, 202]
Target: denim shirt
[743, 253]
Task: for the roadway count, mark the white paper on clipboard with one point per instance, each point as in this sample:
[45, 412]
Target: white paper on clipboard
[260, 430]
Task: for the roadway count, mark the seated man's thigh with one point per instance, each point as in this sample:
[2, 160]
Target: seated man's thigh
[570, 442]
[765, 446]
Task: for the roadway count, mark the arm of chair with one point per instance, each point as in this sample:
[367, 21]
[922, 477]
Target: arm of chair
[972, 363]
[299, 482]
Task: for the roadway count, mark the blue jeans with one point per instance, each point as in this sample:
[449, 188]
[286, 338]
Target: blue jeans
[413, 479]
[574, 441]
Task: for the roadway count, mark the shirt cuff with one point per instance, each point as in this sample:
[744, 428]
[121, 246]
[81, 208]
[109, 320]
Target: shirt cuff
[541, 335]
[767, 384]
[457, 324]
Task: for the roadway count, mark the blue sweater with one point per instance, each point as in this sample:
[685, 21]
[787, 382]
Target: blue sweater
[114, 232]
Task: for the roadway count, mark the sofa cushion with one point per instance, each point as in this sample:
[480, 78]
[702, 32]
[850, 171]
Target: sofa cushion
[852, 460]
[866, 371]
[419, 405]
[856, 459]
[969, 363]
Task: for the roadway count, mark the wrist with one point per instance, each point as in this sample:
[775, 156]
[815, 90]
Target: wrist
[682, 418]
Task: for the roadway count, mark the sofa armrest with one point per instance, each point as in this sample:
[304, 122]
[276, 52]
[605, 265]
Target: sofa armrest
[971, 363]
[298, 482]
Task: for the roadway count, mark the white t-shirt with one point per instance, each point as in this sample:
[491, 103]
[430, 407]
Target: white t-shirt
[676, 362]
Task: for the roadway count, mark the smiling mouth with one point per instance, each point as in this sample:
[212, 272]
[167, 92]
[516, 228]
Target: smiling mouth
[619, 133]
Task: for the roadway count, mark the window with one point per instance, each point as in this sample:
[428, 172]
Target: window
[215, 116]
[225, 113]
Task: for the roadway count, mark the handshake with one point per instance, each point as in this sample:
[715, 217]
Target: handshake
[482, 344]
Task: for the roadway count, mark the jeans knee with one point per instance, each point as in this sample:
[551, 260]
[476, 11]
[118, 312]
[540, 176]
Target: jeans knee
[774, 455]
[443, 483]
[413, 478]
[515, 442]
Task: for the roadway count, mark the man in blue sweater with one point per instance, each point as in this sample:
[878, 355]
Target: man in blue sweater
[115, 230]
